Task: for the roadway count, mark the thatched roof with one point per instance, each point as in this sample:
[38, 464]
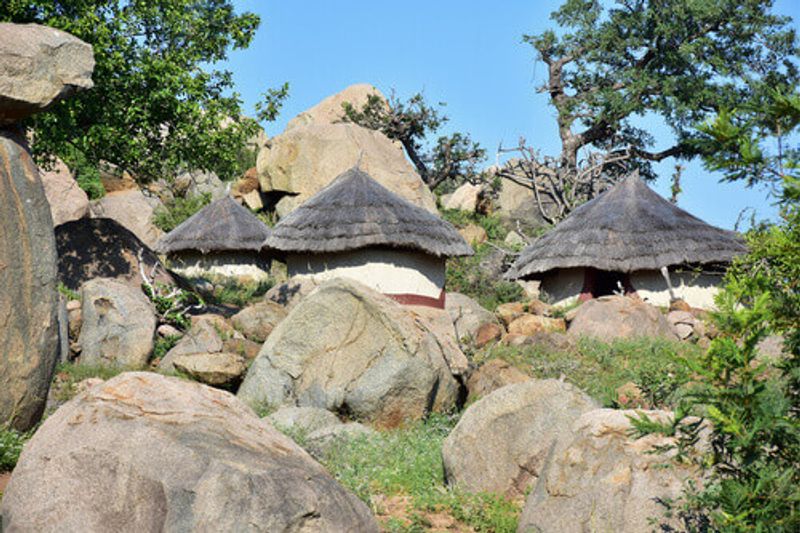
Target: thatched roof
[627, 228]
[223, 225]
[355, 211]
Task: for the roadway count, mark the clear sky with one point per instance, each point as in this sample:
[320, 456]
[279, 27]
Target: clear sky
[466, 53]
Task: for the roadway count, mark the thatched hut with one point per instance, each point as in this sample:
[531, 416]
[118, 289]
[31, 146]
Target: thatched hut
[221, 240]
[356, 228]
[629, 239]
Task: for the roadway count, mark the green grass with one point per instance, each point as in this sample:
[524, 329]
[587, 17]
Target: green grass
[237, 293]
[408, 462]
[11, 443]
[68, 375]
[599, 368]
[169, 216]
[164, 344]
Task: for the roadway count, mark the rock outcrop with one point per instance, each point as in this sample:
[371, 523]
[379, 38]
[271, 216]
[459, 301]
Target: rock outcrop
[604, 479]
[349, 349]
[118, 324]
[144, 452]
[467, 314]
[67, 200]
[38, 66]
[131, 209]
[91, 248]
[613, 317]
[313, 151]
[257, 321]
[502, 442]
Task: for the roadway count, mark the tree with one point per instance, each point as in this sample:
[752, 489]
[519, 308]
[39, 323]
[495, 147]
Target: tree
[158, 105]
[680, 60]
[451, 161]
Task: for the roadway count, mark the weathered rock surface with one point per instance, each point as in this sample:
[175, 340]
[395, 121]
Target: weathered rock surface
[603, 479]
[330, 111]
[67, 200]
[467, 314]
[202, 338]
[291, 292]
[528, 324]
[319, 442]
[220, 369]
[101, 248]
[488, 333]
[304, 419]
[518, 208]
[465, 198]
[257, 321]
[131, 209]
[493, 375]
[613, 317]
[306, 157]
[198, 182]
[349, 349]
[39, 65]
[683, 323]
[28, 297]
[118, 324]
[502, 441]
[473, 234]
[92, 467]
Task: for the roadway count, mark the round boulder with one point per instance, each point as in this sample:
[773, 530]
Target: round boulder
[349, 349]
[613, 317]
[145, 452]
[502, 441]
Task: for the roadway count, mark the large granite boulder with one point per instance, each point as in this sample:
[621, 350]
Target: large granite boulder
[39, 66]
[330, 110]
[131, 209]
[612, 317]
[605, 479]
[349, 349]
[28, 296]
[291, 292]
[118, 324]
[91, 248]
[305, 158]
[502, 442]
[145, 452]
[67, 200]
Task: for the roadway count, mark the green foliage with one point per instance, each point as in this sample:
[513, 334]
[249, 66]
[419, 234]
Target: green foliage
[408, 462]
[68, 293]
[464, 275]
[171, 214]
[237, 293]
[490, 223]
[681, 60]
[158, 104]
[68, 375]
[451, 161]
[173, 304]
[164, 344]
[654, 365]
[11, 443]
[268, 109]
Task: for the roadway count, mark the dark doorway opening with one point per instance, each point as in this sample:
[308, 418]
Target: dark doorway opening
[598, 283]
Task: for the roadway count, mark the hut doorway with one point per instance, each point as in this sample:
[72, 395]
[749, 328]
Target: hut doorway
[598, 283]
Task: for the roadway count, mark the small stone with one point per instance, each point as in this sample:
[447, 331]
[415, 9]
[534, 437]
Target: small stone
[509, 312]
[487, 333]
[538, 307]
[679, 305]
[514, 339]
[73, 305]
[166, 330]
[473, 234]
[529, 324]
[215, 369]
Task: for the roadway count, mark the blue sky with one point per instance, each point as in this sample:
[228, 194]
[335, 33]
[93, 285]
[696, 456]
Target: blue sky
[468, 54]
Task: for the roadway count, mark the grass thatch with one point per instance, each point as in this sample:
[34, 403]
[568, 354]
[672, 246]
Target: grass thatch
[223, 225]
[355, 211]
[627, 228]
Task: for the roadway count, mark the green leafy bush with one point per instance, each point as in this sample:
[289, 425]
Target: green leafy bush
[173, 304]
[11, 443]
[465, 275]
[169, 216]
[408, 462]
[237, 293]
[654, 365]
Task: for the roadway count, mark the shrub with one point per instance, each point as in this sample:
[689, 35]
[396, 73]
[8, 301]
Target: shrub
[407, 462]
[465, 275]
[238, 293]
[171, 214]
[11, 443]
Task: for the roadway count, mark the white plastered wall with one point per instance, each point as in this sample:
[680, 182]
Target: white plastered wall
[563, 287]
[386, 271]
[242, 266]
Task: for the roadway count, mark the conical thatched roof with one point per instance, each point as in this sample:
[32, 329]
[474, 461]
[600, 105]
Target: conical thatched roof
[223, 225]
[627, 228]
[355, 211]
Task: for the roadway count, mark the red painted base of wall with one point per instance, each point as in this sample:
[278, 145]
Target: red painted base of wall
[417, 299]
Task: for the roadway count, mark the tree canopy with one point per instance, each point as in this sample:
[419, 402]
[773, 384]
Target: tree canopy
[680, 60]
[158, 104]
